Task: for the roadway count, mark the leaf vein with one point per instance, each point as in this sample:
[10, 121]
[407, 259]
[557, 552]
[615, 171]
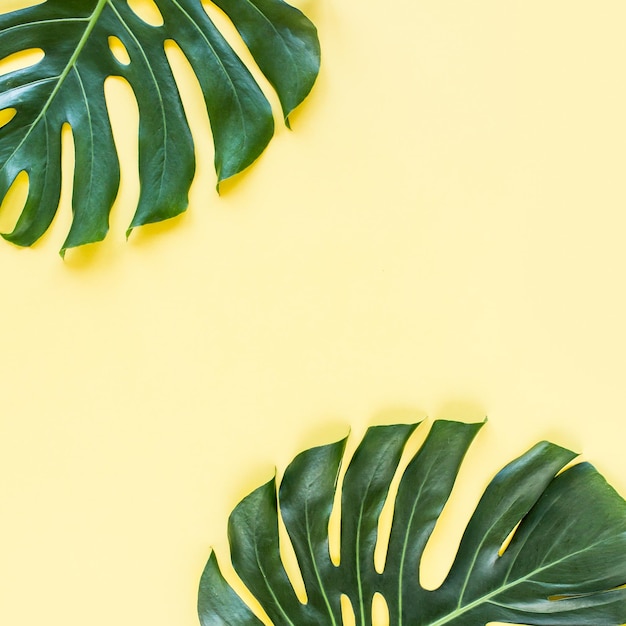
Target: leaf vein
[61, 78]
[460, 610]
[222, 67]
[158, 91]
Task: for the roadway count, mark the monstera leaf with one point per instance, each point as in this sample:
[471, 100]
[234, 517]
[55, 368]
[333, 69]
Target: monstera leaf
[67, 86]
[565, 562]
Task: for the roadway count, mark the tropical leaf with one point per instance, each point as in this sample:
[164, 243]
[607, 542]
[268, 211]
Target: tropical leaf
[564, 564]
[67, 87]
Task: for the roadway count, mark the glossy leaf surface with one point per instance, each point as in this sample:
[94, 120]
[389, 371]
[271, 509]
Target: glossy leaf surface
[67, 87]
[564, 564]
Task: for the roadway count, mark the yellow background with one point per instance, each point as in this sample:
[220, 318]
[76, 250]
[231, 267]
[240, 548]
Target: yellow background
[442, 235]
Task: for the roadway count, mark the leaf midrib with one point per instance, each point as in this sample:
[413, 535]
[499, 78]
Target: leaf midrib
[315, 568]
[266, 580]
[93, 19]
[482, 599]
[268, 586]
[405, 545]
[358, 538]
[226, 74]
[164, 124]
[92, 160]
[276, 31]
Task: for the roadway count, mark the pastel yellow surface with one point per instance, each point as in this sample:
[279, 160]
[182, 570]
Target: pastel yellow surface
[441, 236]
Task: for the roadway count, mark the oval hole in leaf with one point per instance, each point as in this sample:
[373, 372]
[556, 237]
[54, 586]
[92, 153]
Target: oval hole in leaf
[507, 541]
[380, 610]
[147, 10]
[119, 50]
[6, 115]
[21, 60]
[347, 612]
[13, 202]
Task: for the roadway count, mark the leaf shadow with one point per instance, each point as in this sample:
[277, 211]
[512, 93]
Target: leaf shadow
[148, 234]
[462, 409]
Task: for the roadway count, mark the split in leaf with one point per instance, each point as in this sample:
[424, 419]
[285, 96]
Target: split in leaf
[86, 41]
[564, 563]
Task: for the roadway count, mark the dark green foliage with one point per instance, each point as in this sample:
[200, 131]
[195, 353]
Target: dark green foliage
[67, 86]
[563, 565]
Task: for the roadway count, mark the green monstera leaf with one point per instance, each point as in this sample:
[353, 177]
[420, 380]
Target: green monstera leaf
[565, 562]
[67, 87]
